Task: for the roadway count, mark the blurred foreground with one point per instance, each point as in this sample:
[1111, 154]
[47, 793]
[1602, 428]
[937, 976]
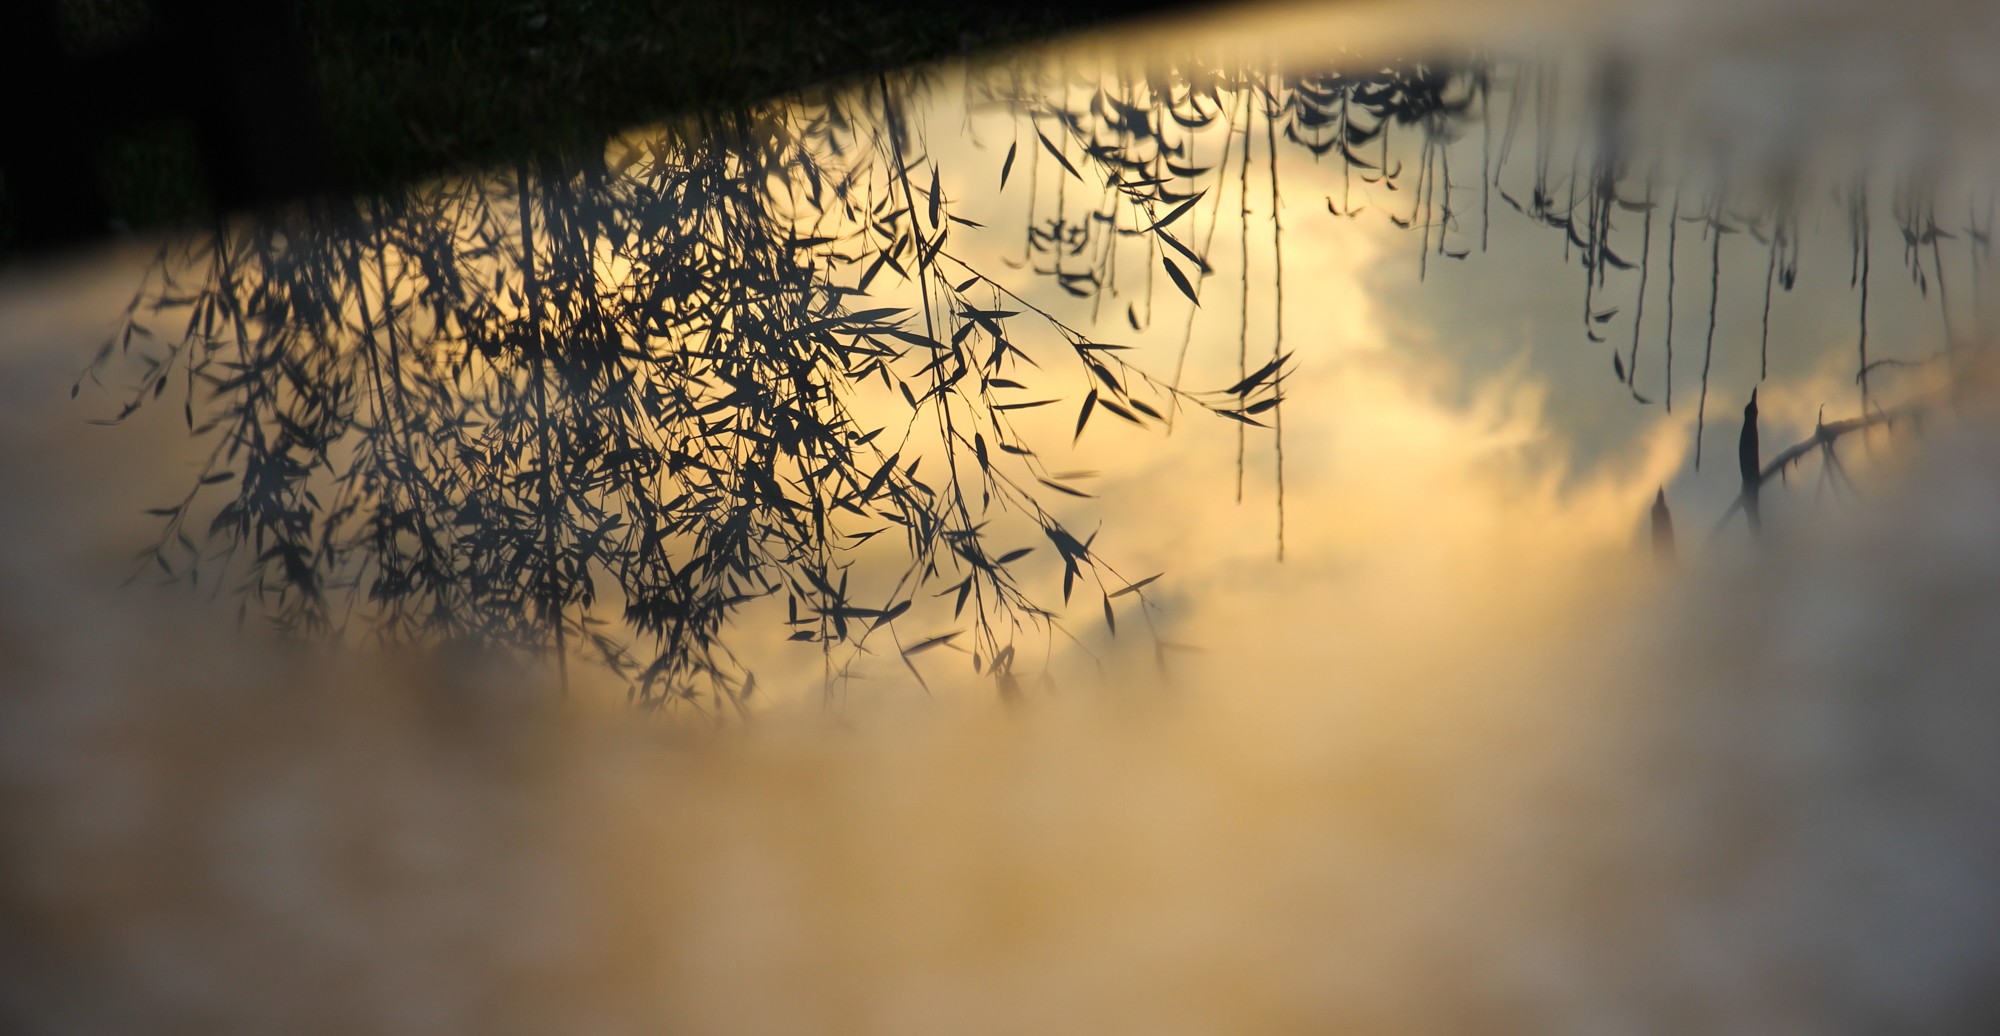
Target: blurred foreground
[1755, 800]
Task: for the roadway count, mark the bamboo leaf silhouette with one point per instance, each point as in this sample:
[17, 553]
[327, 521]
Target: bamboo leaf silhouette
[1180, 280]
[1083, 414]
[1257, 377]
[928, 643]
[1177, 212]
[1137, 586]
[1057, 152]
[937, 197]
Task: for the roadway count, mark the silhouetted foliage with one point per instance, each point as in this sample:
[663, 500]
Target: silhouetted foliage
[680, 373]
[468, 410]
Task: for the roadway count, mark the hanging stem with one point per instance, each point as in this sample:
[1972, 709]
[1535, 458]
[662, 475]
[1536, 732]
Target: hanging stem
[1278, 317]
[1673, 238]
[1861, 247]
[1708, 351]
[1243, 231]
[1645, 266]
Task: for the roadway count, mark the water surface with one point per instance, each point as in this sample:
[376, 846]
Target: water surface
[798, 368]
[1281, 407]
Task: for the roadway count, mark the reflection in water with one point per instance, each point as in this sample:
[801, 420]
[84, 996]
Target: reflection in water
[838, 370]
[461, 408]
[674, 371]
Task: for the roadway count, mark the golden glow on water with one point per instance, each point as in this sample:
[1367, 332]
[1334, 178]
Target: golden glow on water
[1469, 759]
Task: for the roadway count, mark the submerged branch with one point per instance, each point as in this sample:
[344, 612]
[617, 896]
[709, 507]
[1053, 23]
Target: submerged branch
[1824, 435]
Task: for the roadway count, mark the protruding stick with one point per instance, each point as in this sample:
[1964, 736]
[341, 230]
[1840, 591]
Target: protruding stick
[1746, 462]
[1663, 528]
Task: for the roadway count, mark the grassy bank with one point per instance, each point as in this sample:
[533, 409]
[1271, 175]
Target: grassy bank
[400, 89]
[413, 87]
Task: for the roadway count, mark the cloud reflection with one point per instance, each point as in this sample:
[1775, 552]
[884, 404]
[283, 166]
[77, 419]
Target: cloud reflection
[1467, 761]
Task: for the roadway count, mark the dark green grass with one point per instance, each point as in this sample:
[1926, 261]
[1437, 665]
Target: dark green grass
[411, 88]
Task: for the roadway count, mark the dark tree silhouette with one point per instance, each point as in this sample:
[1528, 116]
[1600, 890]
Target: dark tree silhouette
[475, 408]
[470, 410]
